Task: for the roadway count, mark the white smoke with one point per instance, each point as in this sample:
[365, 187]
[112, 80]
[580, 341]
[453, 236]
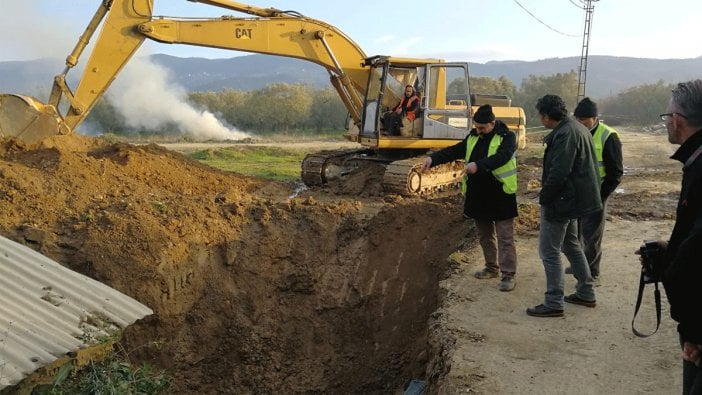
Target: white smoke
[23, 33]
[145, 96]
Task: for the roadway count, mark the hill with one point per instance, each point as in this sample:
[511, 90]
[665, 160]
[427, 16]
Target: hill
[607, 75]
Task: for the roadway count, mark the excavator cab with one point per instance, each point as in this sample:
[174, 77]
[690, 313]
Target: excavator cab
[439, 122]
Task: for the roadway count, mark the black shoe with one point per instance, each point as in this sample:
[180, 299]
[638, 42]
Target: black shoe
[574, 299]
[543, 311]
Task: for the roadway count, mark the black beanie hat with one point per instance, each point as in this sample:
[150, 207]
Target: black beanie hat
[586, 109]
[484, 114]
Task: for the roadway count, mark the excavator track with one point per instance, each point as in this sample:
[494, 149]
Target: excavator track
[403, 177]
[321, 167]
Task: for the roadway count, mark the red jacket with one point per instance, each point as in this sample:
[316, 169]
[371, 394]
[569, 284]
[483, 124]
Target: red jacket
[408, 106]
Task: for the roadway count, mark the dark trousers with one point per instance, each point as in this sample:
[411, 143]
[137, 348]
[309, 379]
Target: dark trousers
[592, 229]
[692, 378]
[392, 122]
[497, 241]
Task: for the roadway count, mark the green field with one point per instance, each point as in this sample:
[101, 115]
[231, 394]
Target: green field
[266, 162]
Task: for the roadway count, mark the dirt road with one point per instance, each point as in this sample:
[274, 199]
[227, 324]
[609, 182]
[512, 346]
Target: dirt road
[500, 349]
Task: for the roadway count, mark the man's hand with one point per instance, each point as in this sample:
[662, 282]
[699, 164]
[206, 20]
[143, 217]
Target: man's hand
[470, 168]
[426, 165]
[692, 352]
[661, 243]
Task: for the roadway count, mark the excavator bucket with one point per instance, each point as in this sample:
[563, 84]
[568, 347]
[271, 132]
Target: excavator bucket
[29, 120]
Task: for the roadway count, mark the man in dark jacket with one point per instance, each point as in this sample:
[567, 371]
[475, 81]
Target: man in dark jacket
[490, 187]
[608, 150]
[681, 266]
[570, 189]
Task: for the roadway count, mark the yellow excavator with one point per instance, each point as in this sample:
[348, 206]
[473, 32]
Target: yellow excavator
[368, 86]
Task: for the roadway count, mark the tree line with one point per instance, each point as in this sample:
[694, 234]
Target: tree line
[285, 108]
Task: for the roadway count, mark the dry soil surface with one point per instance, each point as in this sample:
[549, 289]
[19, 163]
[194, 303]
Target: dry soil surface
[255, 291]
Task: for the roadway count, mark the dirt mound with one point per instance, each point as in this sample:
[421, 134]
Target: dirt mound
[252, 291]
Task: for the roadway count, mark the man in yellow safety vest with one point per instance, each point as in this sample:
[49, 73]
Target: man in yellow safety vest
[490, 186]
[608, 151]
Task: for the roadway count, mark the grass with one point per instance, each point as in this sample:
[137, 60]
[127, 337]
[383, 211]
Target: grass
[266, 162]
[113, 375]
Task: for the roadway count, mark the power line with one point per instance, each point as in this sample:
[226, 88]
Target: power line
[582, 6]
[542, 22]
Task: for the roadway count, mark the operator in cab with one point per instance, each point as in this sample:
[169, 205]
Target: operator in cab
[490, 189]
[406, 108]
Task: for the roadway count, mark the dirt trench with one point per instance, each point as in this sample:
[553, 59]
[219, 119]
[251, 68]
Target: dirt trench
[252, 291]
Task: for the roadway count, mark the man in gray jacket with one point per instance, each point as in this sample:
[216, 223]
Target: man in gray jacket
[570, 189]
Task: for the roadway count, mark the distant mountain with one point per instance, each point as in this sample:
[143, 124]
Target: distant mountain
[28, 77]
[606, 75]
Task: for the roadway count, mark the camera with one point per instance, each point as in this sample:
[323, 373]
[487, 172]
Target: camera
[651, 257]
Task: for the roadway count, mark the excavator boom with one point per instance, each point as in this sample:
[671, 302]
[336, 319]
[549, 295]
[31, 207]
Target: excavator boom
[290, 36]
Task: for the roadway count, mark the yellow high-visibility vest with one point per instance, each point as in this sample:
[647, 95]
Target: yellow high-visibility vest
[506, 174]
[600, 137]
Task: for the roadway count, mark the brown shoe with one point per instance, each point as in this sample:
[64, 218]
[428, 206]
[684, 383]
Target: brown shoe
[486, 273]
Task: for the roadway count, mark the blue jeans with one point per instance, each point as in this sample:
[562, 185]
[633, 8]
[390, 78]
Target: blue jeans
[554, 237]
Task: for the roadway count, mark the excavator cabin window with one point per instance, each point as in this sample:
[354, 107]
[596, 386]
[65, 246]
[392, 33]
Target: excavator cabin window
[395, 84]
[386, 87]
[439, 87]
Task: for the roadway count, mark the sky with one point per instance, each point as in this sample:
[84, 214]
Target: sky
[455, 30]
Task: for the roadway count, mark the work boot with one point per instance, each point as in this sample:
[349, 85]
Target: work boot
[486, 273]
[507, 284]
[543, 311]
[575, 299]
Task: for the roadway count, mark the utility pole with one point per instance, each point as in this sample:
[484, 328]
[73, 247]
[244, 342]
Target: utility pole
[582, 75]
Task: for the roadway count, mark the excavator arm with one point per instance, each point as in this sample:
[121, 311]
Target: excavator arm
[290, 36]
[118, 41]
[127, 23]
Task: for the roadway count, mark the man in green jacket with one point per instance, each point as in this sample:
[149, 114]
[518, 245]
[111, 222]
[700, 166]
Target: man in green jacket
[570, 189]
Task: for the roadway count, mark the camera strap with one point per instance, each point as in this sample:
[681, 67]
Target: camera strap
[657, 297]
[692, 157]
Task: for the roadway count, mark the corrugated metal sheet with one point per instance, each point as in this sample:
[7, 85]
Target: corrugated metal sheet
[47, 310]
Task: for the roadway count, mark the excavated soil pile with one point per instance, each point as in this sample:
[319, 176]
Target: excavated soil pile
[252, 291]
